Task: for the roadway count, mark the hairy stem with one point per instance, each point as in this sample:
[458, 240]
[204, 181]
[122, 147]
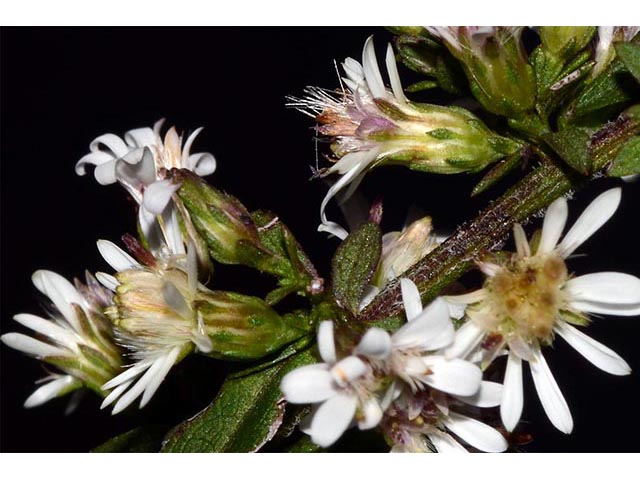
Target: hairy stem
[456, 255]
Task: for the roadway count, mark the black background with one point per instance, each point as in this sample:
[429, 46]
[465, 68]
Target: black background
[63, 87]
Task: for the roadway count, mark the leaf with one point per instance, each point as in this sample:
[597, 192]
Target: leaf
[145, 439]
[629, 54]
[244, 416]
[572, 144]
[627, 162]
[612, 88]
[497, 173]
[354, 263]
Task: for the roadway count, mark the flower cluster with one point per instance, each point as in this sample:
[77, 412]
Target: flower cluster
[401, 382]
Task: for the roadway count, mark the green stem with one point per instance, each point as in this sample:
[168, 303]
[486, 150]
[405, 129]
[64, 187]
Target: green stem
[457, 254]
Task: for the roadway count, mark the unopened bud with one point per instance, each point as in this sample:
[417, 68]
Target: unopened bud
[565, 42]
[495, 64]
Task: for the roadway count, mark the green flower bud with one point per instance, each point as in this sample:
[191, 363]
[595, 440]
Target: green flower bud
[241, 327]
[496, 65]
[565, 42]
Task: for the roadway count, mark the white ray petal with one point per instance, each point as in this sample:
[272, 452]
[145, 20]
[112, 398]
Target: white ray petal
[55, 332]
[326, 344]
[111, 142]
[140, 137]
[606, 308]
[394, 76]
[93, 158]
[488, 395]
[31, 346]
[600, 355]
[348, 369]
[410, 298]
[593, 217]
[117, 258]
[371, 69]
[130, 373]
[141, 384]
[175, 300]
[105, 173]
[605, 287]
[375, 343]
[445, 443]
[467, 298]
[115, 394]
[168, 362]
[61, 292]
[475, 433]
[186, 148]
[512, 394]
[522, 245]
[157, 196]
[308, 384]
[550, 395]
[108, 281]
[332, 419]
[455, 376]
[371, 413]
[50, 390]
[202, 164]
[554, 222]
[430, 330]
[466, 339]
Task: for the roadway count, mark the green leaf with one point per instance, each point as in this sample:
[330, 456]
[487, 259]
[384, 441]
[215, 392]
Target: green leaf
[572, 144]
[629, 54]
[612, 88]
[627, 162]
[497, 173]
[354, 263]
[244, 416]
[147, 439]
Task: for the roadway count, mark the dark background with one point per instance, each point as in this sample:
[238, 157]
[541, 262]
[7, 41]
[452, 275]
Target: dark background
[63, 87]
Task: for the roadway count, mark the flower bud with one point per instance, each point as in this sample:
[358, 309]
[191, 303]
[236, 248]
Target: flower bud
[565, 42]
[241, 327]
[220, 219]
[402, 250]
[495, 64]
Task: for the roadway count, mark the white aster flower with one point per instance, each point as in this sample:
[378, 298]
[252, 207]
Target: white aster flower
[342, 390]
[425, 423]
[370, 124]
[154, 319]
[139, 162]
[604, 48]
[76, 339]
[529, 298]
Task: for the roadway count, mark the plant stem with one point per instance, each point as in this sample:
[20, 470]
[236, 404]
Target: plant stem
[456, 255]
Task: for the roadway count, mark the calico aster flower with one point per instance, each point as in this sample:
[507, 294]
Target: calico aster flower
[371, 125]
[343, 390]
[139, 162]
[530, 298]
[76, 339]
[154, 319]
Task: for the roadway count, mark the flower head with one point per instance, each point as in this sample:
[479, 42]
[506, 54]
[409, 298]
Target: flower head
[371, 125]
[530, 297]
[76, 338]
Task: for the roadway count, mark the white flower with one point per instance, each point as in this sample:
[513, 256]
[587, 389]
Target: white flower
[424, 423]
[343, 390]
[371, 124]
[407, 353]
[154, 319]
[77, 338]
[530, 298]
[604, 48]
[139, 163]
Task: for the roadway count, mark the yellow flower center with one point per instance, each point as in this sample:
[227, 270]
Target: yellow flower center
[525, 297]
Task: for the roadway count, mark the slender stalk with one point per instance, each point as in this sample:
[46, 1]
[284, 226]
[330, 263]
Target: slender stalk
[456, 255]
